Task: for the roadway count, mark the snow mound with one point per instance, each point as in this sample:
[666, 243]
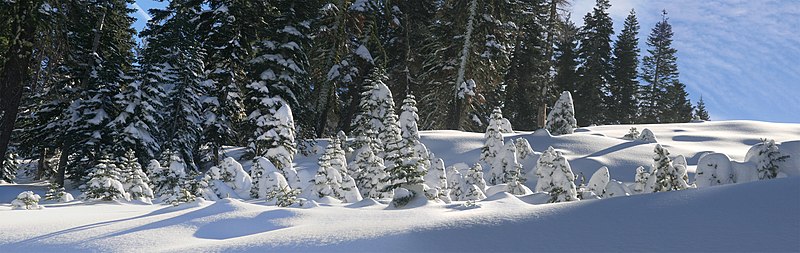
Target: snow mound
[365, 203]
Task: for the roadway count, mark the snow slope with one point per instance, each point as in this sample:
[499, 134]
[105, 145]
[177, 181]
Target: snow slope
[759, 216]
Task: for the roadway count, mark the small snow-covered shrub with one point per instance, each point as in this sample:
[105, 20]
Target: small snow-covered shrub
[523, 148]
[713, 169]
[473, 193]
[768, 159]
[284, 196]
[616, 188]
[26, 200]
[632, 134]
[599, 181]
[402, 196]
[640, 180]
[647, 136]
[57, 193]
[104, 183]
[436, 178]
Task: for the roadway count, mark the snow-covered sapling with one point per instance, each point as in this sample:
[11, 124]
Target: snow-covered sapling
[26, 200]
[524, 149]
[561, 120]
[57, 193]
[632, 134]
[640, 180]
[665, 176]
[598, 182]
[505, 168]
[436, 178]
[768, 159]
[474, 176]
[493, 144]
[555, 177]
[104, 183]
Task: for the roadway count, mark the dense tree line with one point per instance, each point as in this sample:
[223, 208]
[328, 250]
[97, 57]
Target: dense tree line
[208, 73]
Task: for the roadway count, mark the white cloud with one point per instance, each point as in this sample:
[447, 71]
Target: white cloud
[141, 12]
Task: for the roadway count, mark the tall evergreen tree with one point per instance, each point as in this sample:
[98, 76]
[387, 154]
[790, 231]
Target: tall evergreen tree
[595, 71]
[677, 106]
[529, 70]
[660, 72]
[566, 57]
[622, 103]
[173, 33]
[466, 66]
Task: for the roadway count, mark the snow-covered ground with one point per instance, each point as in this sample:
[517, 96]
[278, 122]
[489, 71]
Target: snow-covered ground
[758, 216]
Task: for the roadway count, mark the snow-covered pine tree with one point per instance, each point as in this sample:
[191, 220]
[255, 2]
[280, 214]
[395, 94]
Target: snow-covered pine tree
[371, 174]
[473, 193]
[506, 168]
[561, 120]
[647, 136]
[136, 126]
[595, 70]
[622, 100]
[228, 30]
[104, 182]
[528, 77]
[467, 61]
[408, 119]
[474, 176]
[436, 179]
[170, 183]
[273, 135]
[269, 183]
[177, 57]
[136, 182]
[456, 184]
[26, 200]
[9, 167]
[667, 176]
[632, 134]
[403, 167]
[768, 159]
[263, 177]
[598, 182]
[514, 186]
[338, 156]
[376, 104]
[58, 193]
[555, 177]
[328, 180]
[640, 180]
[364, 141]
[229, 179]
[523, 148]
[493, 145]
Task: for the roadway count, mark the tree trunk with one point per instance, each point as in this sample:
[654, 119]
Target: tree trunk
[41, 167]
[15, 72]
[62, 166]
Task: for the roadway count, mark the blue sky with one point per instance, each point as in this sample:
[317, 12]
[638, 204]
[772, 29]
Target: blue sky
[742, 56]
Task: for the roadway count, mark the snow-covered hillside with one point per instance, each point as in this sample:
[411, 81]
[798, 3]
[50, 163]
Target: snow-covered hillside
[756, 216]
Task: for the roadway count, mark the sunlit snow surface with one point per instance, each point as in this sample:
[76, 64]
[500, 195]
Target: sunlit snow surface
[753, 217]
